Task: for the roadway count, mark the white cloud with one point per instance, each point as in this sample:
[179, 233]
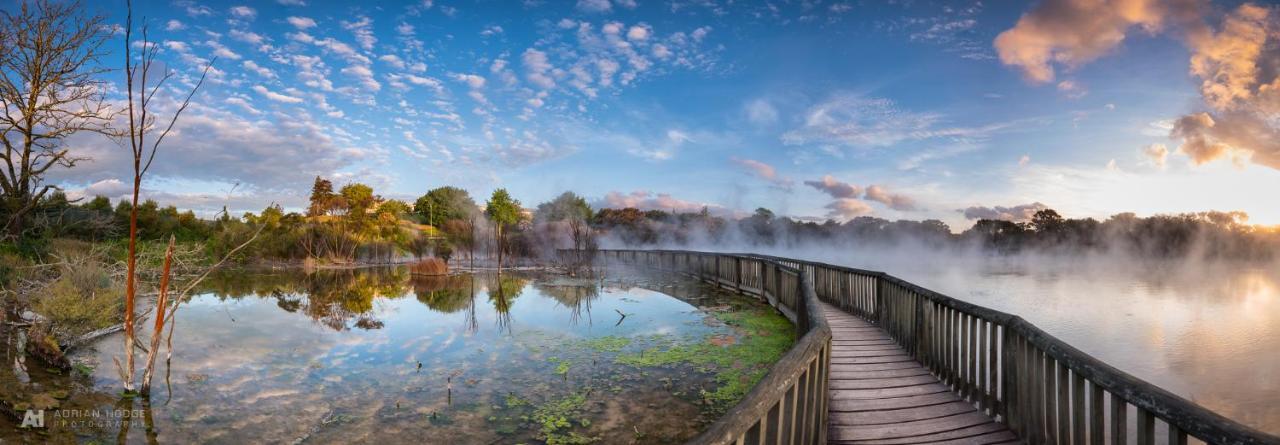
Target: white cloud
[639, 32]
[301, 22]
[537, 68]
[276, 96]
[594, 6]
[363, 30]
[393, 60]
[174, 25]
[244, 12]
[247, 36]
[259, 70]
[850, 120]
[761, 112]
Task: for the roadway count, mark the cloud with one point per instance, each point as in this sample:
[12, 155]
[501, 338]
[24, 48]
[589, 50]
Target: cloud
[247, 36]
[259, 70]
[363, 30]
[1071, 89]
[1157, 153]
[850, 120]
[244, 12]
[846, 209]
[594, 6]
[1018, 213]
[836, 188]
[647, 200]
[174, 25]
[764, 171]
[1072, 32]
[846, 197]
[537, 68]
[639, 32]
[276, 96]
[1024, 160]
[215, 146]
[893, 200]
[761, 112]
[1241, 86]
[301, 22]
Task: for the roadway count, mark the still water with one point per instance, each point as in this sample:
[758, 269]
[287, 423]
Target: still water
[1209, 332]
[377, 355]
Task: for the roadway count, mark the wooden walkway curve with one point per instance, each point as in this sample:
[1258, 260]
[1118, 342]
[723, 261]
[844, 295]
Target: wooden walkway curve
[881, 395]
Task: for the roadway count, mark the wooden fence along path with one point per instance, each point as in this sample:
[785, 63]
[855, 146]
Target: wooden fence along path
[879, 360]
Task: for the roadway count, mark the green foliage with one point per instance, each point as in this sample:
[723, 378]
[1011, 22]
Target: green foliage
[502, 209]
[359, 200]
[443, 204]
[567, 206]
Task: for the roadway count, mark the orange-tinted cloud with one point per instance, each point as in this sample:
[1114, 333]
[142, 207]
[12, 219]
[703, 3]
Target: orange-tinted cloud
[764, 171]
[1073, 32]
[893, 200]
[1239, 68]
[835, 188]
[1016, 213]
[847, 208]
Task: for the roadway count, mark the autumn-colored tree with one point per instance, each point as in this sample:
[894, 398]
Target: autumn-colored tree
[503, 211]
[50, 89]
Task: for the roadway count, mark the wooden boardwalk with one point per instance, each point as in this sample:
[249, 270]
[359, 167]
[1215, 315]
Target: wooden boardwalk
[880, 395]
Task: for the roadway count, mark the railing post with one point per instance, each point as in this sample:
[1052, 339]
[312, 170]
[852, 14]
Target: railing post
[737, 274]
[879, 312]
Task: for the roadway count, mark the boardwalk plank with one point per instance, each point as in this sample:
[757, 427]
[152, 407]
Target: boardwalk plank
[879, 395]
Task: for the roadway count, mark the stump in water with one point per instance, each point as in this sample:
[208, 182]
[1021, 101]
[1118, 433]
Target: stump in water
[429, 266]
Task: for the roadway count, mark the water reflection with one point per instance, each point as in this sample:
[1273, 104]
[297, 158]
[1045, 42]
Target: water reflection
[379, 354]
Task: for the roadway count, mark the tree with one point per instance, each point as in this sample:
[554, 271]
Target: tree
[321, 197]
[359, 199]
[573, 210]
[393, 207]
[50, 89]
[443, 204]
[566, 207]
[142, 123]
[502, 211]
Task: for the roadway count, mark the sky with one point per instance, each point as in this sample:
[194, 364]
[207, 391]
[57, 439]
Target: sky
[813, 109]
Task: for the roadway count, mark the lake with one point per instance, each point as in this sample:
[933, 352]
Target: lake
[378, 355]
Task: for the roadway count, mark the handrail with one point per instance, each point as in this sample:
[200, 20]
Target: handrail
[1016, 372]
[789, 404]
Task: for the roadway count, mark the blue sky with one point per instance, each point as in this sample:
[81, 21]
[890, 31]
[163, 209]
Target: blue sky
[906, 109]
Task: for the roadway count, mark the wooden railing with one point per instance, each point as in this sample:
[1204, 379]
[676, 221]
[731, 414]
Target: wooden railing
[1045, 390]
[789, 404]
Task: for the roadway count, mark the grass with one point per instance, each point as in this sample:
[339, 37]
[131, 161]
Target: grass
[765, 336]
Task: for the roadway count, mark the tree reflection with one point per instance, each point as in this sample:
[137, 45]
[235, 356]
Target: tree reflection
[337, 298]
[575, 297]
[443, 293]
[503, 290]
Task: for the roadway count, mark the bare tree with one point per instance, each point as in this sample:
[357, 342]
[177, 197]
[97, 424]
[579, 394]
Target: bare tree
[50, 89]
[141, 92]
